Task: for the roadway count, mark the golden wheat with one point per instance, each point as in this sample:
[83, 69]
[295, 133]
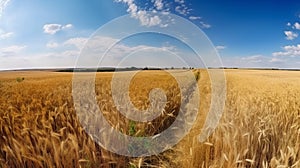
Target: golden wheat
[260, 126]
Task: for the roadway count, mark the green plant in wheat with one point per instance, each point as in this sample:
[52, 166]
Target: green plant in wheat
[19, 79]
[132, 128]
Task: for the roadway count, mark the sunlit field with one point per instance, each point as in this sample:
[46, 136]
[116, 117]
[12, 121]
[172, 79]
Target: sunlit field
[260, 126]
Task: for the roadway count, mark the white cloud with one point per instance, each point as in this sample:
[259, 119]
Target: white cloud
[158, 4]
[154, 21]
[202, 24]
[289, 50]
[3, 4]
[290, 35]
[194, 17]
[205, 25]
[288, 24]
[52, 45]
[142, 15]
[6, 35]
[54, 28]
[51, 28]
[132, 8]
[297, 26]
[180, 1]
[182, 9]
[147, 19]
[220, 47]
[67, 26]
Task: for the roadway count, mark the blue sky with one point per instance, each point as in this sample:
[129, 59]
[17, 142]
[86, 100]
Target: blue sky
[43, 34]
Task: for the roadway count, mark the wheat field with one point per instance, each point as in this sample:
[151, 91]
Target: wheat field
[260, 125]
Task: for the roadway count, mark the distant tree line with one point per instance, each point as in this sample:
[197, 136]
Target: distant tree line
[112, 69]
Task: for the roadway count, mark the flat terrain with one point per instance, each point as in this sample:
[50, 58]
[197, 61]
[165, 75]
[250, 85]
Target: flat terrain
[260, 125]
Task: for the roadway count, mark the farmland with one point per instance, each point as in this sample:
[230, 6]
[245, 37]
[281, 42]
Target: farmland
[260, 126]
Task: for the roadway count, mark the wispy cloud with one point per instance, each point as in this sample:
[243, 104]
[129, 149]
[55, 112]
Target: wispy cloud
[54, 28]
[289, 50]
[205, 25]
[67, 26]
[194, 17]
[11, 50]
[6, 35]
[220, 47]
[261, 61]
[64, 54]
[52, 45]
[78, 42]
[3, 4]
[182, 9]
[277, 60]
[253, 58]
[180, 1]
[99, 44]
[202, 23]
